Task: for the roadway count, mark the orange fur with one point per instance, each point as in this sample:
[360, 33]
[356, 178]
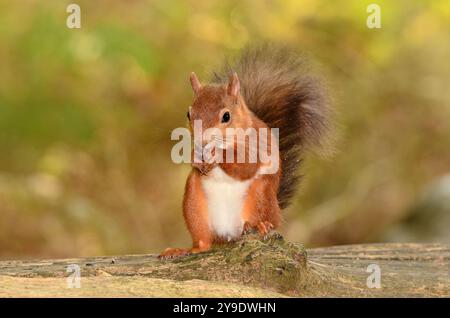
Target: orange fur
[261, 204]
[196, 218]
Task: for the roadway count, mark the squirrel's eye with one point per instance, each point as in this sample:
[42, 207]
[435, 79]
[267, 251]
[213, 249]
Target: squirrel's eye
[226, 117]
[188, 116]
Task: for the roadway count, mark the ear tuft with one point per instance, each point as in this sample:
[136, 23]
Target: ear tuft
[195, 83]
[233, 85]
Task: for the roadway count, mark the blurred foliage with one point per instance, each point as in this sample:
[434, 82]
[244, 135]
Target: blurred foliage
[86, 116]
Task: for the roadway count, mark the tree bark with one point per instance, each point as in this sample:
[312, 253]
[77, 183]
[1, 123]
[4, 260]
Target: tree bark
[249, 268]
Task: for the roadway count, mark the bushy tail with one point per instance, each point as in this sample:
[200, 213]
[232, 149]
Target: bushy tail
[277, 88]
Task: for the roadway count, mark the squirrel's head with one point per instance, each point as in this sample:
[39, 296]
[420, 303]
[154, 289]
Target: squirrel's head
[218, 106]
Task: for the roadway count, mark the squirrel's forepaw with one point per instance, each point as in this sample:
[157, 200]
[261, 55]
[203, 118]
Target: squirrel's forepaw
[170, 253]
[204, 168]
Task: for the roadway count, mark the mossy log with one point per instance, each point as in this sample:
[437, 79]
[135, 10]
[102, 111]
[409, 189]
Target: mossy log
[249, 268]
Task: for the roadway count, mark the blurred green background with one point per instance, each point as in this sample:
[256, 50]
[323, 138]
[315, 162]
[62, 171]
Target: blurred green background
[86, 116]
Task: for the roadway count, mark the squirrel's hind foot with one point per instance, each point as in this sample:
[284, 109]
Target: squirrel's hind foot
[263, 228]
[170, 253]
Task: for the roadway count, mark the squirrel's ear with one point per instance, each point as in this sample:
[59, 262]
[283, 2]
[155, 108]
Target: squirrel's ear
[195, 83]
[233, 85]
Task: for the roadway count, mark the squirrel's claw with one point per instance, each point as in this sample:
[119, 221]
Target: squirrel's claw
[247, 229]
[264, 228]
[170, 253]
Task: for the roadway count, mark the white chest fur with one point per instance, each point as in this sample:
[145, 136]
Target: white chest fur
[225, 199]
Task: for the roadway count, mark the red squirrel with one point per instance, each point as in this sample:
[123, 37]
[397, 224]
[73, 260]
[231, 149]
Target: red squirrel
[264, 88]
